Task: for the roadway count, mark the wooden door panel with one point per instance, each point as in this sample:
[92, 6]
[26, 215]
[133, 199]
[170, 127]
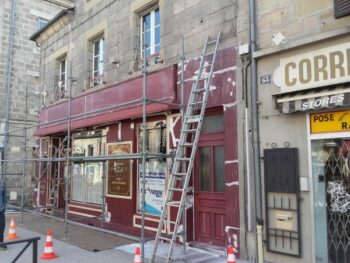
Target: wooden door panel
[219, 223]
[204, 223]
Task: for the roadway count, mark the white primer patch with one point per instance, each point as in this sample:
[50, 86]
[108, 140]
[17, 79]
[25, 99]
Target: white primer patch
[132, 126]
[172, 124]
[228, 79]
[232, 183]
[229, 105]
[231, 161]
[119, 131]
[212, 87]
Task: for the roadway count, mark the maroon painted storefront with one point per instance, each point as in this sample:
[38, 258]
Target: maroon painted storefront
[213, 212]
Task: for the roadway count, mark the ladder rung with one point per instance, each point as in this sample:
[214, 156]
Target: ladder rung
[199, 90]
[170, 222]
[207, 66]
[190, 130]
[186, 145]
[176, 189]
[204, 78]
[196, 103]
[180, 174]
[173, 203]
[165, 238]
[183, 159]
[192, 120]
[210, 53]
[212, 41]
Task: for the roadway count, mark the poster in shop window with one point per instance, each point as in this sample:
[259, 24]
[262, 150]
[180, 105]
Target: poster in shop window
[154, 187]
[119, 180]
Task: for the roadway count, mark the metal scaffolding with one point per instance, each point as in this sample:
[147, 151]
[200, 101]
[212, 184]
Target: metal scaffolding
[68, 158]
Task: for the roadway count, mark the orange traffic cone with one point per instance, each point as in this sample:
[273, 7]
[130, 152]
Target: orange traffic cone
[231, 258]
[137, 258]
[48, 250]
[12, 230]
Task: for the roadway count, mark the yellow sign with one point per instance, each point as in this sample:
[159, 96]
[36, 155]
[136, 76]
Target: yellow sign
[338, 121]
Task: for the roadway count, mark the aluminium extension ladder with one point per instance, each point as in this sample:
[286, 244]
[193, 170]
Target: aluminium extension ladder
[189, 136]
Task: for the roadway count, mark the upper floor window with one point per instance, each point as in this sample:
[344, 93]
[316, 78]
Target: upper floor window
[150, 32]
[61, 77]
[62, 83]
[41, 23]
[98, 61]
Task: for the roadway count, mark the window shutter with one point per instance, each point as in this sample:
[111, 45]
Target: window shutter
[341, 8]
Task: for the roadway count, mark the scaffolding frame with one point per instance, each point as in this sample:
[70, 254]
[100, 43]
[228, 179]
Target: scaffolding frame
[68, 159]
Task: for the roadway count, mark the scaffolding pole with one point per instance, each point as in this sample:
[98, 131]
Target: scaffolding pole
[24, 164]
[144, 130]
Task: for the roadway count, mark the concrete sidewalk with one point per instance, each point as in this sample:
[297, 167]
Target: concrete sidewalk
[67, 253]
[119, 249]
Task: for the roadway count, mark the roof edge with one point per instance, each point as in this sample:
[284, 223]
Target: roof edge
[62, 13]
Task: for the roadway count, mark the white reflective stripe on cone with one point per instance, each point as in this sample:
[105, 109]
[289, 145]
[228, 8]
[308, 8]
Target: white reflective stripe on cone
[231, 258]
[49, 239]
[48, 249]
[12, 231]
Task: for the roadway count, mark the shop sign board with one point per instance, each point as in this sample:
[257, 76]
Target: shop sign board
[338, 121]
[119, 180]
[317, 68]
[154, 187]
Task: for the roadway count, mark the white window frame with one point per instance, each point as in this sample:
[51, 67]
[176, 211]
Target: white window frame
[153, 32]
[63, 75]
[97, 72]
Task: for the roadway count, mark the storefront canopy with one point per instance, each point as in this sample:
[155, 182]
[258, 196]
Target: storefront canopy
[326, 98]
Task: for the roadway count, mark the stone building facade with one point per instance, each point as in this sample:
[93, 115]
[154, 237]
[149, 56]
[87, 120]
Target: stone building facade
[91, 78]
[19, 85]
[302, 74]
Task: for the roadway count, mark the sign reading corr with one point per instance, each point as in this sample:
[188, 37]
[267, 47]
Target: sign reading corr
[327, 66]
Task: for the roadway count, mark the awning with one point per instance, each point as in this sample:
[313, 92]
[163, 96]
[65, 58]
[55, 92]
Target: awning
[326, 98]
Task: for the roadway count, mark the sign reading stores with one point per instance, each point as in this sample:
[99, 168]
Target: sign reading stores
[323, 102]
[338, 121]
[322, 67]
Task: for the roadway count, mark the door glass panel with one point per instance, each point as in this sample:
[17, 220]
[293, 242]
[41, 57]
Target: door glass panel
[219, 168]
[331, 183]
[204, 169]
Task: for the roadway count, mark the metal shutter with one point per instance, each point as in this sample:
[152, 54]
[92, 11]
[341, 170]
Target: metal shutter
[341, 8]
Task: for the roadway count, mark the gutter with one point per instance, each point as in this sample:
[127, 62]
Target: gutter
[8, 87]
[255, 131]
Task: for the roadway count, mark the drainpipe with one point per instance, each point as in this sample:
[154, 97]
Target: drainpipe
[8, 87]
[255, 131]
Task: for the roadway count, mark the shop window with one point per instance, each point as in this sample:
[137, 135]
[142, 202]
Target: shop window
[87, 183]
[98, 54]
[155, 169]
[155, 137]
[150, 33]
[341, 8]
[87, 176]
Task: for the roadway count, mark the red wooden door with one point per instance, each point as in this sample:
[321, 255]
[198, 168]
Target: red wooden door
[210, 202]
